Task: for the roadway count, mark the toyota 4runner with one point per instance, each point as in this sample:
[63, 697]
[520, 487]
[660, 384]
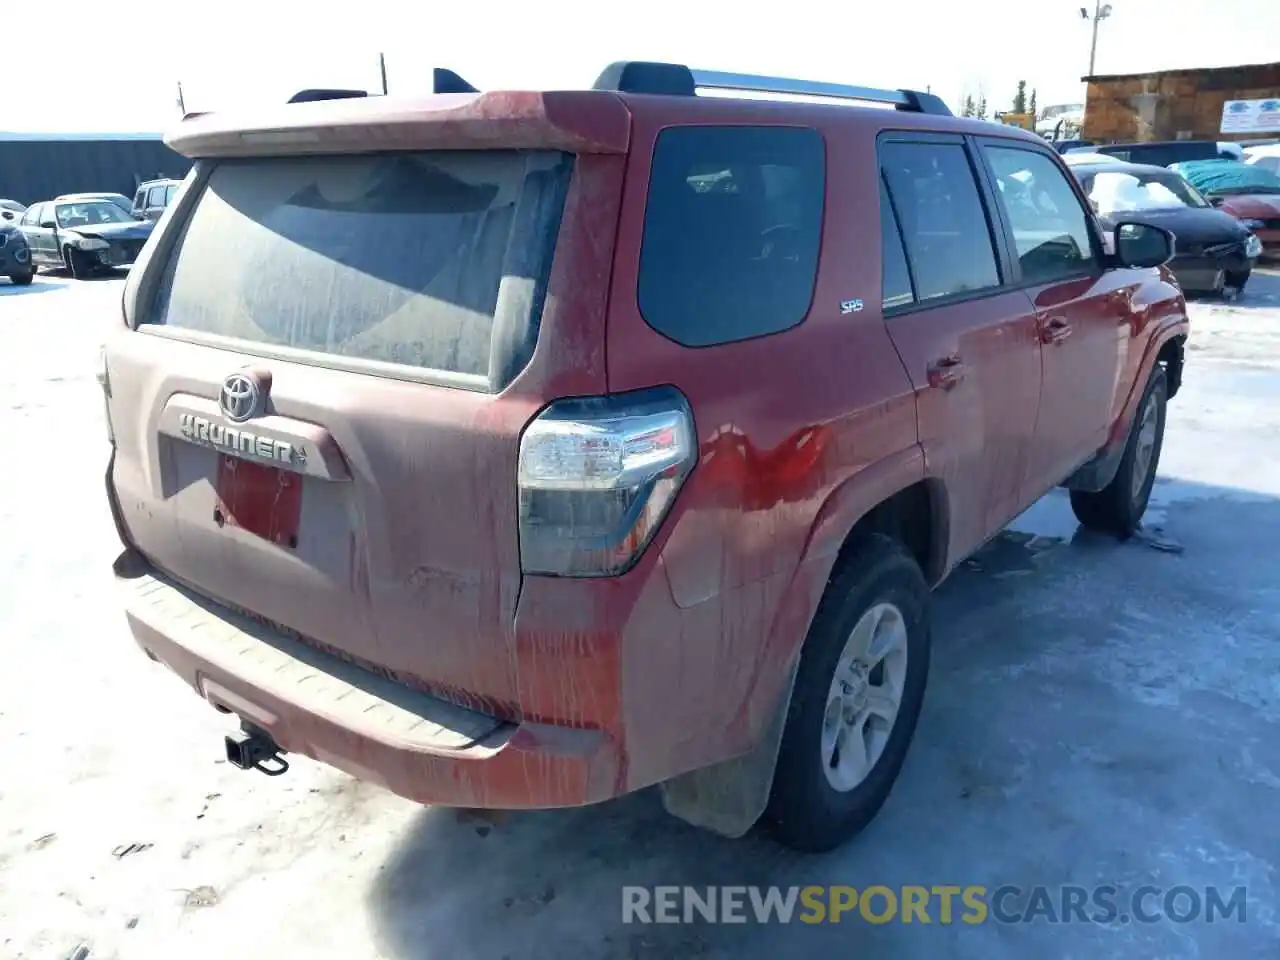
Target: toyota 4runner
[520, 450]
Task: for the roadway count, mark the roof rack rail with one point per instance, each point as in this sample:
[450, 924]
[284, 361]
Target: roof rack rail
[674, 79]
[308, 96]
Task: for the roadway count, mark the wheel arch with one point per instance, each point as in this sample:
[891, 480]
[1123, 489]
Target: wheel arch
[894, 497]
[1166, 347]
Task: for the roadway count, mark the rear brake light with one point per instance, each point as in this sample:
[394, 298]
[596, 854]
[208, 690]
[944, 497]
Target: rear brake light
[597, 476]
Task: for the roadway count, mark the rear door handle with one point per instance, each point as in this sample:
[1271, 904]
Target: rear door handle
[946, 372]
[1054, 330]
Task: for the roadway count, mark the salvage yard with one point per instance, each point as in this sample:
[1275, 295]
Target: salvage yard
[1097, 713]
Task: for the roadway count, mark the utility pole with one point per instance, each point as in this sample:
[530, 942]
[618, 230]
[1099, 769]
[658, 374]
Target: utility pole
[382, 69]
[182, 103]
[1100, 12]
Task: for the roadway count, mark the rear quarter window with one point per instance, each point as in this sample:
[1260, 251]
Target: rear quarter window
[732, 232]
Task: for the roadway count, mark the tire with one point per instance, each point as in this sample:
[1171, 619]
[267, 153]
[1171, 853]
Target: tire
[815, 804]
[76, 263]
[1118, 508]
[1238, 279]
[22, 279]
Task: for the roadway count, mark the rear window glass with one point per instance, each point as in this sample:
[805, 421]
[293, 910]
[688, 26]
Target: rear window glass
[732, 231]
[401, 258]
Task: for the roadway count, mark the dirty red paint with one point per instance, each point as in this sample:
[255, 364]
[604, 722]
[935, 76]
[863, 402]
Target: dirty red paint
[609, 685]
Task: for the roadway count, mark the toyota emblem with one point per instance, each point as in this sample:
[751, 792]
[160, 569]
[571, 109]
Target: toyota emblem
[241, 397]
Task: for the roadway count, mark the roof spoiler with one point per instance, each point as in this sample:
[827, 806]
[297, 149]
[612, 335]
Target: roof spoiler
[676, 79]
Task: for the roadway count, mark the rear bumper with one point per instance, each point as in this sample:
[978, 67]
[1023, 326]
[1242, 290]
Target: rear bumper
[314, 704]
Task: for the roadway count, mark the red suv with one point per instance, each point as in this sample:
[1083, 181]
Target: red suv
[520, 450]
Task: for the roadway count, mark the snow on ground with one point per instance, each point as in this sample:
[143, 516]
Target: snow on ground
[1098, 713]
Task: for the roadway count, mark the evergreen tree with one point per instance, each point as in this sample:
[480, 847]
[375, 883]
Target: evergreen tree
[981, 111]
[1031, 105]
[1020, 98]
[968, 109]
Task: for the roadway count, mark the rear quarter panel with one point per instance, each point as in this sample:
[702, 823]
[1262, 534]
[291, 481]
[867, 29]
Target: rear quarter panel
[783, 423]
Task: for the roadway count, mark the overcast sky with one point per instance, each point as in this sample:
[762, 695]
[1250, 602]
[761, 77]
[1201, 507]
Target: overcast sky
[100, 67]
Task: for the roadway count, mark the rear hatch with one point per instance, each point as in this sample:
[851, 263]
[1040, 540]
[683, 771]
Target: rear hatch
[329, 355]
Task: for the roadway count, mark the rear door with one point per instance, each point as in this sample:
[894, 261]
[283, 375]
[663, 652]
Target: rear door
[969, 342]
[39, 237]
[318, 415]
[1081, 311]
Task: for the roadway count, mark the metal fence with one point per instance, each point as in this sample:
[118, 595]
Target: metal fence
[39, 169]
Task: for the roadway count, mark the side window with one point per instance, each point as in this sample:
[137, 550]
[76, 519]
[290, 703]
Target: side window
[32, 217]
[1050, 227]
[943, 222]
[732, 229]
[140, 200]
[168, 195]
[157, 197]
[894, 275]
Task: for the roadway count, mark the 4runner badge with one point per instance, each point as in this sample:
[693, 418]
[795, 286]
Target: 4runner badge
[244, 443]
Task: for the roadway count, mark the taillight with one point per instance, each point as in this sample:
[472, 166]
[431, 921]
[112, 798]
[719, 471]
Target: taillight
[597, 476]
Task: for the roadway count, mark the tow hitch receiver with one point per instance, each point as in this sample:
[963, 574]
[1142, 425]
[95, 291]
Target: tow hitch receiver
[250, 749]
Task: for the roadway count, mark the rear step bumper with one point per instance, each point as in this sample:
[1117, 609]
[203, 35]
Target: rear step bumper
[314, 704]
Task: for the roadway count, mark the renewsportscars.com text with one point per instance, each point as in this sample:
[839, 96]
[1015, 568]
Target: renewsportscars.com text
[940, 903]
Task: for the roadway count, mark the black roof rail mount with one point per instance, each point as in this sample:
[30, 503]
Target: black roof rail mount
[320, 93]
[446, 81]
[676, 79]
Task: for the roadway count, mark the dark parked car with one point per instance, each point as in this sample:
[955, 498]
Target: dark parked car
[15, 258]
[153, 197]
[1213, 250]
[1161, 153]
[83, 236]
[1065, 146]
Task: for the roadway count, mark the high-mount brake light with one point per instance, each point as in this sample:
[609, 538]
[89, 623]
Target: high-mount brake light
[597, 476]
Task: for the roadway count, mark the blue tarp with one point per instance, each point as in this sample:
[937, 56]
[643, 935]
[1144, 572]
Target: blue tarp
[1227, 176]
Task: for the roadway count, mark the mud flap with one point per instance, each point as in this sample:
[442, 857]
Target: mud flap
[1098, 473]
[728, 798]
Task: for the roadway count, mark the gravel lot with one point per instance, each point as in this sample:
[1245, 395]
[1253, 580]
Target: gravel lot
[1098, 714]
